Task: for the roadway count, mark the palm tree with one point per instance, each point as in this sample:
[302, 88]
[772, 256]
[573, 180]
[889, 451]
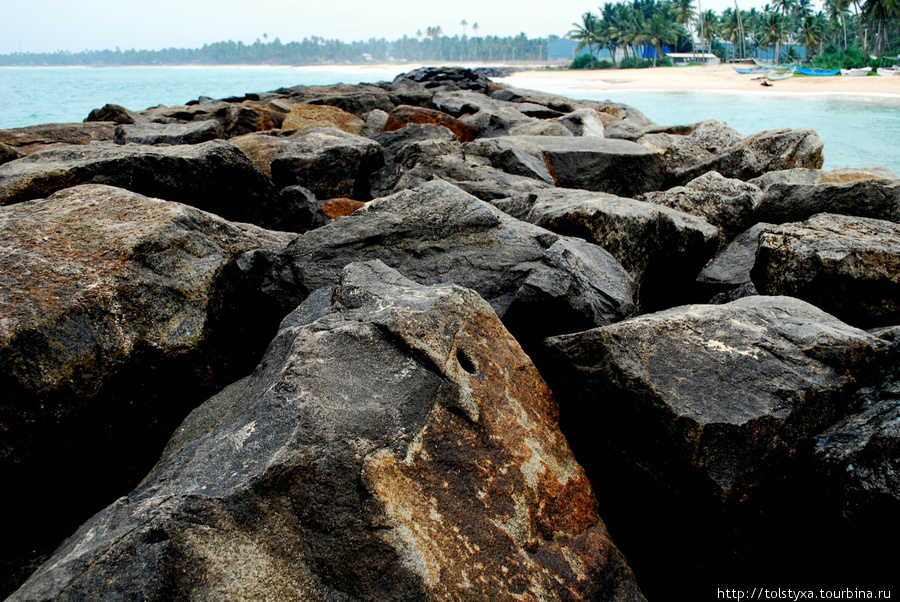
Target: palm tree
[774, 32]
[586, 34]
[731, 28]
[710, 27]
[837, 12]
[880, 12]
[683, 13]
[812, 32]
[658, 31]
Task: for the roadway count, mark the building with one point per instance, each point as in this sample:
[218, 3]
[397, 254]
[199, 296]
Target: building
[684, 58]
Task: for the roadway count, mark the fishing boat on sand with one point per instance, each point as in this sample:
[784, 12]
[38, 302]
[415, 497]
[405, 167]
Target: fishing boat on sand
[779, 75]
[752, 70]
[888, 71]
[765, 65]
[860, 72]
[817, 72]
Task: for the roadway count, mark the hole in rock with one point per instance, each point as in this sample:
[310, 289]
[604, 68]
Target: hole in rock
[465, 362]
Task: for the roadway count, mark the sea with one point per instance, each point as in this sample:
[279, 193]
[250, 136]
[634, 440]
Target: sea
[859, 130]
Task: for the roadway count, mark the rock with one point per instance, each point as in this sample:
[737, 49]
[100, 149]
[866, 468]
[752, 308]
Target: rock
[728, 205]
[540, 128]
[487, 116]
[457, 77]
[730, 269]
[437, 233]
[335, 208]
[306, 116]
[848, 266]
[405, 114]
[169, 134]
[118, 315]
[395, 445]
[236, 119]
[797, 194]
[34, 138]
[602, 165]
[8, 153]
[115, 113]
[551, 101]
[330, 162]
[513, 158]
[230, 187]
[302, 204]
[661, 248]
[704, 142]
[419, 162]
[262, 147]
[583, 122]
[861, 454]
[715, 401]
[766, 151]
[356, 100]
[375, 120]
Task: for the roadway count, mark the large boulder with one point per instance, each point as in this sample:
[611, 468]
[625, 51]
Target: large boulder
[214, 176]
[404, 115]
[169, 133]
[727, 204]
[27, 140]
[118, 315]
[705, 141]
[538, 282]
[730, 269]
[514, 158]
[459, 78]
[393, 444]
[356, 100]
[330, 162]
[661, 248]
[115, 113]
[848, 266]
[715, 401]
[306, 116]
[8, 153]
[487, 116]
[797, 194]
[603, 165]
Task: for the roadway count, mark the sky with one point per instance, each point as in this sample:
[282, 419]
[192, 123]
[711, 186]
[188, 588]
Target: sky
[75, 25]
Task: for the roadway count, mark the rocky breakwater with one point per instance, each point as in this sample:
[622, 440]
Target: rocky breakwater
[503, 369]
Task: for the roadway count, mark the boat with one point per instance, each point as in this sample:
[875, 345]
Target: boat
[780, 74]
[766, 65]
[817, 72]
[752, 70]
[888, 71]
[860, 72]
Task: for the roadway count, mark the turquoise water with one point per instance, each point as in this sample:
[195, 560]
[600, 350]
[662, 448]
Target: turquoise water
[859, 131]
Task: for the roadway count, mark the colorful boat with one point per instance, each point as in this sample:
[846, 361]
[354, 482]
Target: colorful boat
[861, 72]
[751, 70]
[817, 72]
[782, 74]
[766, 65]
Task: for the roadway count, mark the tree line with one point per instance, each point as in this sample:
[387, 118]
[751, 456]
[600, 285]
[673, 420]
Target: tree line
[627, 29]
[432, 45]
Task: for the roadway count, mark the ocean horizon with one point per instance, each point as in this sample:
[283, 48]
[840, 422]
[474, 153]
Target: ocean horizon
[858, 130]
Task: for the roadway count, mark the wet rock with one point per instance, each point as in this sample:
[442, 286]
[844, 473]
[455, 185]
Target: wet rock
[405, 114]
[330, 162]
[306, 116]
[118, 315]
[214, 176]
[714, 401]
[169, 134]
[115, 113]
[661, 248]
[614, 166]
[34, 138]
[848, 266]
[537, 281]
[728, 205]
[861, 454]
[797, 194]
[361, 460]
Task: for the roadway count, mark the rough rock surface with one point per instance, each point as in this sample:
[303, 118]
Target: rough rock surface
[118, 315]
[330, 162]
[848, 266]
[583, 122]
[8, 153]
[115, 113]
[306, 116]
[457, 77]
[515, 158]
[34, 138]
[397, 445]
[661, 248]
[236, 119]
[598, 164]
[302, 204]
[861, 454]
[537, 281]
[230, 185]
[728, 205]
[540, 127]
[715, 400]
[335, 208]
[405, 114]
[730, 269]
[489, 117]
[262, 147]
[705, 141]
[169, 133]
[797, 194]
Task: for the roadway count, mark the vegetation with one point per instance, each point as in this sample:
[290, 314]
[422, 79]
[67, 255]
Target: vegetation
[835, 36]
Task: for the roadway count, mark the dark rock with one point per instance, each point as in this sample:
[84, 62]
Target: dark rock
[236, 119]
[420, 162]
[488, 116]
[513, 158]
[728, 205]
[537, 281]
[34, 138]
[861, 454]
[214, 176]
[457, 77]
[301, 203]
[118, 315]
[561, 104]
[848, 266]
[396, 445]
[330, 162]
[798, 194]
[661, 248]
[715, 401]
[584, 122]
[541, 127]
[8, 153]
[169, 134]
[598, 164]
[115, 113]
[375, 120]
[357, 100]
[405, 114]
[730, 269]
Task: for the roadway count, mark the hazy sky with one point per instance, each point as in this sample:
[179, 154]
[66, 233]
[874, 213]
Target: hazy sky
[50, 25]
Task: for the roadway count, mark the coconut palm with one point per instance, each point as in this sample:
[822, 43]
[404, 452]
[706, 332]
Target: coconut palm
[658, 31]
[683, 12]
[774, 31]
[711, 29]
[586, 34]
